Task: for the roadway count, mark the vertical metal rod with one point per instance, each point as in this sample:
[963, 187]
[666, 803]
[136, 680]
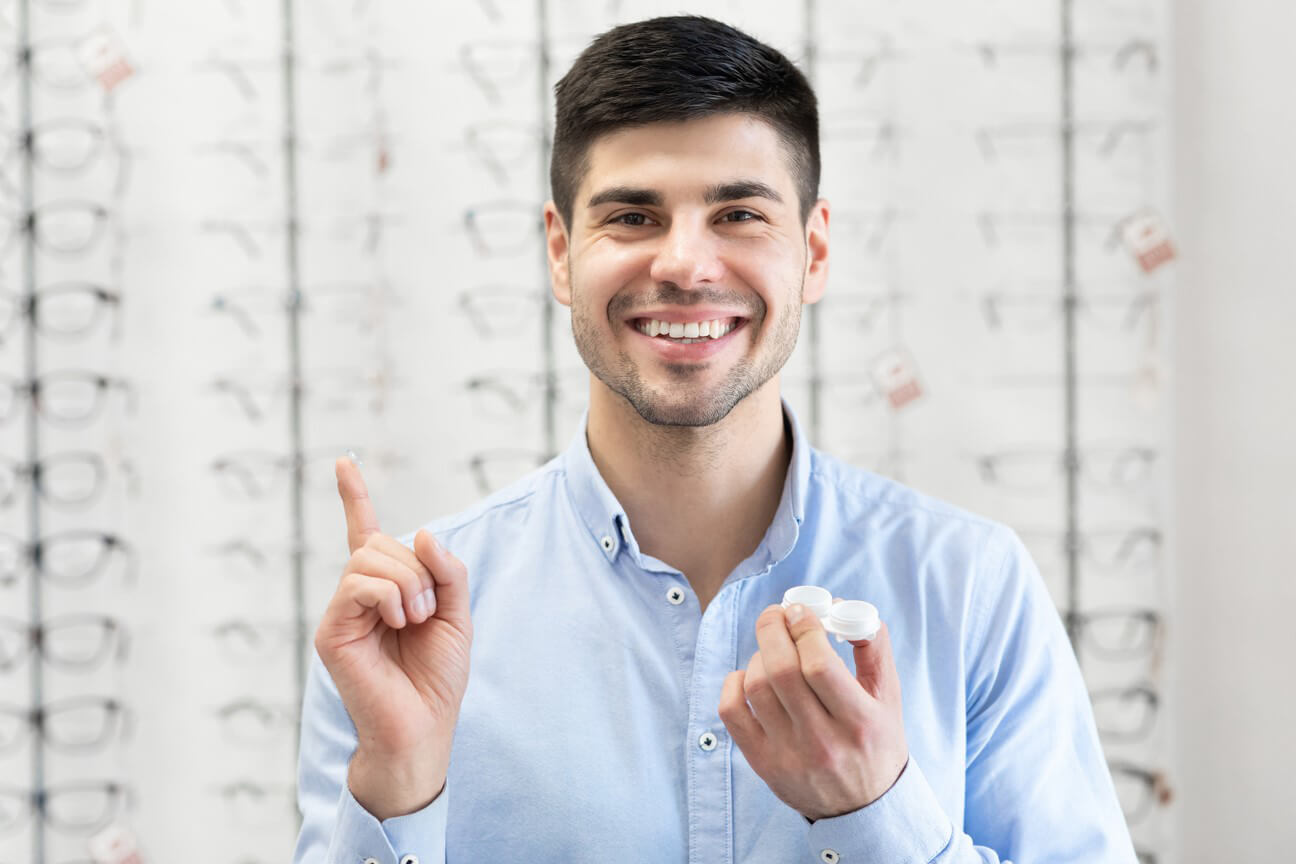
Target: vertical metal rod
[36, 611]
[812, 311]
[1069, 322]
[293, 227]
[549, 360]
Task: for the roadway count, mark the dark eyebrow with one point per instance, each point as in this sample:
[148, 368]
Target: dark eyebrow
[740, 189]
[638, 197]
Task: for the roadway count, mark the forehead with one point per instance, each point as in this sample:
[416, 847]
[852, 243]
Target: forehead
[687, 154]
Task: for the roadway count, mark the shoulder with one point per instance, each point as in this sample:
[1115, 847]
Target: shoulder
[862, 499]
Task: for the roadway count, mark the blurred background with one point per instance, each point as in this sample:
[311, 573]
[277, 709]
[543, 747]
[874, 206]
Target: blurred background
[241, 238]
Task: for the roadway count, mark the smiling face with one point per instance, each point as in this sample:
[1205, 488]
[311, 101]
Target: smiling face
[686, 265]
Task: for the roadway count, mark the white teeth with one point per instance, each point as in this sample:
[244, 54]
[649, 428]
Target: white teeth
[693, 331]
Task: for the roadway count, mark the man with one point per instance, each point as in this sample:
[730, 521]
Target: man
[636, 692]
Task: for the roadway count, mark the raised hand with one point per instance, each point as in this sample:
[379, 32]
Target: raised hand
[396, 638]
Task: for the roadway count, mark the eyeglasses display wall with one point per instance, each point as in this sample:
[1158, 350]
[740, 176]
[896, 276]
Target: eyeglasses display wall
[241, 239]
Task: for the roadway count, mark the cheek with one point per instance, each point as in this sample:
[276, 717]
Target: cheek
[605, 271]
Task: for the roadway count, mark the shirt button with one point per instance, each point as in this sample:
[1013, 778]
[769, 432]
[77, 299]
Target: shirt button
[371, 861]
[409, 859]
[675, 595]
[607, 543]
[707, 741]
[829, 856]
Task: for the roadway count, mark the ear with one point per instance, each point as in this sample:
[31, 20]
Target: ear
[816, 274]
[558, 246]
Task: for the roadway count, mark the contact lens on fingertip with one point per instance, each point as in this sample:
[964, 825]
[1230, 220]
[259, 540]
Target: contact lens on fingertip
[354, 457]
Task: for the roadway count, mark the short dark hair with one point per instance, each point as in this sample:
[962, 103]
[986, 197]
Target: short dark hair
[679, 68]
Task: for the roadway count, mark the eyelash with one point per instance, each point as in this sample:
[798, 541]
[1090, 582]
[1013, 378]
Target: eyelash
[616, 220]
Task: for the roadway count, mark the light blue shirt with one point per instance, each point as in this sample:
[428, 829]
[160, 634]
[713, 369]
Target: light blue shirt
[595, 681]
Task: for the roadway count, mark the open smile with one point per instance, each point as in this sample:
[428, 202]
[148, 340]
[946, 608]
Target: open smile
[691, 340]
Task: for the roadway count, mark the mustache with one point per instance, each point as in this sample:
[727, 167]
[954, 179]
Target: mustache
[672, 295]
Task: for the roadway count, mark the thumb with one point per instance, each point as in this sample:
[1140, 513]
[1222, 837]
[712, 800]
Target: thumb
[449, 577]
[874, 665]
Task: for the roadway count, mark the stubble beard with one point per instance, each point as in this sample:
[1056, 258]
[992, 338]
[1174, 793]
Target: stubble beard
[686, 404]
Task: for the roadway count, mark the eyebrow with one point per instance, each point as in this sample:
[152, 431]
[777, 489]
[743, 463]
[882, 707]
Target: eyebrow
[719, 193]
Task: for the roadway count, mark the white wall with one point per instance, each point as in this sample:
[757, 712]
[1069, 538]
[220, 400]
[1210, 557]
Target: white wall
[1233, 644]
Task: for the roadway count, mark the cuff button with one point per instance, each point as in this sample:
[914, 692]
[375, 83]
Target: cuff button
[829, 856]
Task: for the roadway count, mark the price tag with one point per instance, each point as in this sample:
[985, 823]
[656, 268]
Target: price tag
[103, 57]
[1146, 237]
[115, 845]
[895, 374]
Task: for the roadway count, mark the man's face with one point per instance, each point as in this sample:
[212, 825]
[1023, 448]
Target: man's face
[686, 264]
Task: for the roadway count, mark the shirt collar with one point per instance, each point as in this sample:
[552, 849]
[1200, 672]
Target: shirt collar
[609, 527]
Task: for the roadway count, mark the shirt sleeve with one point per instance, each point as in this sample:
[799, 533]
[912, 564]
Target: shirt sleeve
[1037, 783]
[335, 829]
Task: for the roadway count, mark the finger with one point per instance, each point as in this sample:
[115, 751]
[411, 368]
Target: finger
[449, 577]
[359, 594]
[737, 715]
[361, 519]
[783, 666]
[368, 561]
[823, 669]
[391, 546]
[875, 667]
[769, 711]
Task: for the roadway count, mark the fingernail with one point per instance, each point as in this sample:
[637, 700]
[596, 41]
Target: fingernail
[420, 605]
[429, 599]
[794, 613]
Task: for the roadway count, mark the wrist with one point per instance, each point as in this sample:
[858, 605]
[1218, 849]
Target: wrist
[391, 786]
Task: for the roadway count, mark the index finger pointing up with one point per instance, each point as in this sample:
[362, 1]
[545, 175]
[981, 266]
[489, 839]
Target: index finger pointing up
[361, 519]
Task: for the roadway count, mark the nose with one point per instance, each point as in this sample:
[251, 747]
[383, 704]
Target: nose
[688, 255]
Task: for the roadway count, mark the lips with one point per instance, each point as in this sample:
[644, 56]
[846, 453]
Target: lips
[685, 348]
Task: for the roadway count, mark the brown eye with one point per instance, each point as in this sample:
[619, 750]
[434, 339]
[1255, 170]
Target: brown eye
[631, 216]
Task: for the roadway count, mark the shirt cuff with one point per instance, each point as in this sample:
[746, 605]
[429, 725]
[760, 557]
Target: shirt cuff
[360, 836]
[905, 824]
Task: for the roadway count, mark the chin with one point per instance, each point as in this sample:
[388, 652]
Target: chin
[661, 410]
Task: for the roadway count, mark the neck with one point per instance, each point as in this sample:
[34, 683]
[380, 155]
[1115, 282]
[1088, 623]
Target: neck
[698, 498]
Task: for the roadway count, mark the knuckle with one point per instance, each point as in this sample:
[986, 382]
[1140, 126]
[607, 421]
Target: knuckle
[817, 669]
[783, 675]
[756, 685]
[351, 582]
[727, 709]
[364, 560]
